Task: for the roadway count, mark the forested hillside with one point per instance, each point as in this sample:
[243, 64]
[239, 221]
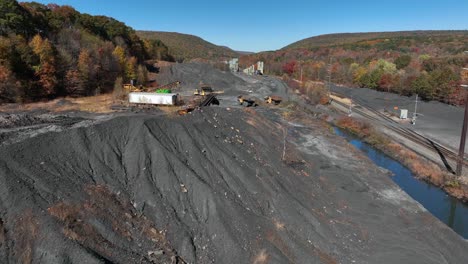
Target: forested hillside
[428, 63]
[350, 38]
[51, 50]
[186, 47]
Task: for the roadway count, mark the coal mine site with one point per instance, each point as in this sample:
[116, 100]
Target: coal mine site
[221, 184]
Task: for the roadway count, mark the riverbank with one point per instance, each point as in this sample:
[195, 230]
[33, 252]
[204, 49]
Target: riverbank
[449, 210]
[420, 166]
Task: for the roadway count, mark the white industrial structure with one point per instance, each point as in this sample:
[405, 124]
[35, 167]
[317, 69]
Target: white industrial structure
[234, 65]
[255, 68]
[260, 67]
[250, 70]
[152, 98]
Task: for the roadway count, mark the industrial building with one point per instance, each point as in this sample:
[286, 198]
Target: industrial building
[255, 68]
[234, 65]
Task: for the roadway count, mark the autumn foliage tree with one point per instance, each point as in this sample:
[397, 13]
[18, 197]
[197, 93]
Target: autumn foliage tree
[45, 70]
[428, 63]
[51, 50]
[290, 67]
[9, 87]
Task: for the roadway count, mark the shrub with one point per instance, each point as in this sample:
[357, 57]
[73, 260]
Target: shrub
[118, 92]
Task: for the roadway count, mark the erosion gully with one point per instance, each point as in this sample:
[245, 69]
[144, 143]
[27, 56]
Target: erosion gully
[449, 210]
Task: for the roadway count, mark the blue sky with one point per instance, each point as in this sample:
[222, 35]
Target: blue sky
[259, 25]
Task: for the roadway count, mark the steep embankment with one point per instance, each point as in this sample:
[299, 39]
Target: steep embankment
[216, 186]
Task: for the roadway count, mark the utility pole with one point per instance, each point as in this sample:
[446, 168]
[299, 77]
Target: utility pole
[461, 150]
[329, 79]
[301, 74]
[329, 73]
[413, 121]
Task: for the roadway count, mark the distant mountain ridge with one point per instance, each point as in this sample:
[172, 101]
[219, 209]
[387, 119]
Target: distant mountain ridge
[186, 47]
[245, 52]
[424, 62]
[337, 39]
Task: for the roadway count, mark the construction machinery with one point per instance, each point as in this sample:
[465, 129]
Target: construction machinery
[164, 96]
[132, 88]
[248, 102]
[273, 99]
[167, 88]
[207, 101]
[204, 90]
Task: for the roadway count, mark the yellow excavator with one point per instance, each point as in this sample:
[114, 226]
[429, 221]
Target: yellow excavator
[273, 99]
[248, 102]
[204, 90]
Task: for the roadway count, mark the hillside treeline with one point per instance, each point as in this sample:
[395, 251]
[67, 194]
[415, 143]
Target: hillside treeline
[50, 50]
[186, 47]
[430, 66]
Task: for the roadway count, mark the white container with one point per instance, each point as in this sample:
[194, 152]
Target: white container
[152, 98]
[403, 113]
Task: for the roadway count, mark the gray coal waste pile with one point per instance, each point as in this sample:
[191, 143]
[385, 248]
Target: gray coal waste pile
[215, 186]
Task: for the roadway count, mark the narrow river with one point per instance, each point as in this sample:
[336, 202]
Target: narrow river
[447, 209]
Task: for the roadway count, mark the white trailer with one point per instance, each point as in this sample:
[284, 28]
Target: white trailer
[403, 113]
[152, 98]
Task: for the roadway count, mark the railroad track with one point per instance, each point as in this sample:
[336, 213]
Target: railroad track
[444, 152]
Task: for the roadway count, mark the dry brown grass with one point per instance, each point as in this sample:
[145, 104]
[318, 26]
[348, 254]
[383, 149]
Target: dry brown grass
[24, 234]
[261, 258]
[78, 224]
[274, 238]
[170, 111]
[95, 104]
[2, 233]
[346, 101]
[359, 128]
[64, 212]
[420, 166]
[278, 224]
[324, 257]
[250, 110]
